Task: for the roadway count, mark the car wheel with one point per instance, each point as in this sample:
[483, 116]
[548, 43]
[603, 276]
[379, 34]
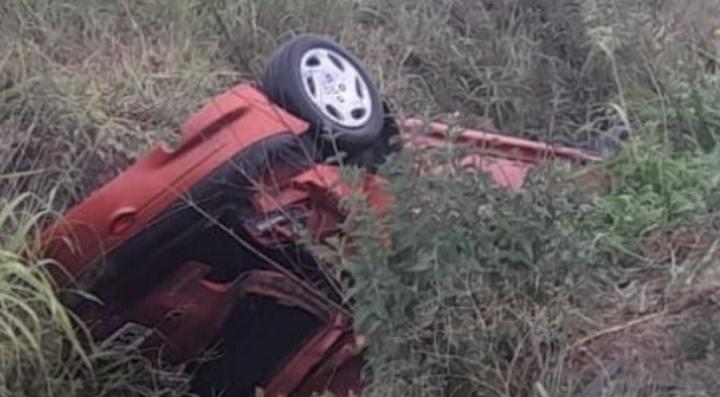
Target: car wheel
[317, 80]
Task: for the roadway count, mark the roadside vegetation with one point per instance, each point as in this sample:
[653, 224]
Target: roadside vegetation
[484, 292]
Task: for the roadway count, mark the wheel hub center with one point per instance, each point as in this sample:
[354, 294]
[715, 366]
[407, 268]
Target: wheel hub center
[333, 85]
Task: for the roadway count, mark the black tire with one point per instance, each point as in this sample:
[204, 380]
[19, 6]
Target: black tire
[387, 143]
[282, 83]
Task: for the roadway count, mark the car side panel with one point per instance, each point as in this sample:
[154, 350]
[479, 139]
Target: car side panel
[224, 127]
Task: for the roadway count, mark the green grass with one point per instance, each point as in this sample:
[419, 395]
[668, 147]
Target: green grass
[485, 293]
[44, 349]
[654, 190]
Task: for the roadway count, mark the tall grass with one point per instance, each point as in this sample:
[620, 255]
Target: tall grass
[485, 292]
[86, 88]
[44, 348]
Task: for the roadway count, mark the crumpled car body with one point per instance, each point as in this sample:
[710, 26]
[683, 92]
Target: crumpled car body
[194, 249]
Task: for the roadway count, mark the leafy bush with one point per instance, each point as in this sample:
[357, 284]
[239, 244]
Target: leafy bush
[473, 293]
[486, 291]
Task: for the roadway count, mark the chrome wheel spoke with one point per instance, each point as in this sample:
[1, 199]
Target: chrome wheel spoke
[336, 87]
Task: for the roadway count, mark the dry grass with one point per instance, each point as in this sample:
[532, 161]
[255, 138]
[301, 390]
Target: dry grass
[87, 86]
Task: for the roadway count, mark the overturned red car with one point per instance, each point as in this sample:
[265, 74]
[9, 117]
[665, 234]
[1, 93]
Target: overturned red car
[194, 249]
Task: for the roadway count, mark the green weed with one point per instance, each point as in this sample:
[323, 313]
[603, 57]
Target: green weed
[654, 190]
[44, 349]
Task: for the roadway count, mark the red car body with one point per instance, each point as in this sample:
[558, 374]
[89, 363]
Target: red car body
[193, 248]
